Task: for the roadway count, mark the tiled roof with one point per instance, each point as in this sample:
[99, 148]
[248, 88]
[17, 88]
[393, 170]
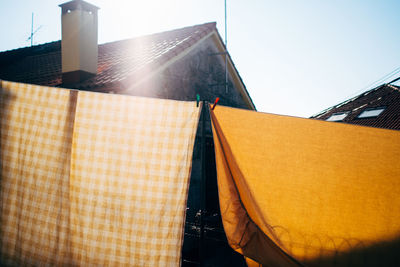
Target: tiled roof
[386, 96]
[117, 61]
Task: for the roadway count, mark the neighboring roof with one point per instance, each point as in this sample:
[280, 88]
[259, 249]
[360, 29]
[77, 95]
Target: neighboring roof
[385, 96]
[117, 61]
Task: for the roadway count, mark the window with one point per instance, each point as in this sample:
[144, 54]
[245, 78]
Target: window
[338, 116]
[371, 112]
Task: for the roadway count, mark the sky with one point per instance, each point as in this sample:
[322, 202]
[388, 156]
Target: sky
[295, 57]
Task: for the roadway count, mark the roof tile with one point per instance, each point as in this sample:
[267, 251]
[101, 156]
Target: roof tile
[386, 95]
[117, 61]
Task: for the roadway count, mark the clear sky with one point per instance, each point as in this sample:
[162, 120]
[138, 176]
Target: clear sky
[295, 57]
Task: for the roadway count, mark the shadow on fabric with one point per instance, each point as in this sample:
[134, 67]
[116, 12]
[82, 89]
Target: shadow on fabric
[382, 254]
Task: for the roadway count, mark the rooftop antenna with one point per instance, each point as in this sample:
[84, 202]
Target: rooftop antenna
[33, 32]
[226, 53]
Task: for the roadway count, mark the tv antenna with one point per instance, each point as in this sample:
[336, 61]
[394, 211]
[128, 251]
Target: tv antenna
[226, 51]
[33, 32]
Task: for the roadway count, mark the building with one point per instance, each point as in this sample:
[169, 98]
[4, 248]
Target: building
[378, 107]
[178, 64]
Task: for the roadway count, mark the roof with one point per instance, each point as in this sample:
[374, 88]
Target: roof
[117, 61]
[385, 96]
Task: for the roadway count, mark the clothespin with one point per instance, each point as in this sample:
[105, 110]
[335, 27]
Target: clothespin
[215, 103]
[197, 100]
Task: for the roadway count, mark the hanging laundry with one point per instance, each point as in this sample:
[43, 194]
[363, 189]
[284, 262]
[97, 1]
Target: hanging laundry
[299, 192]
[130, 169]
[36, 125]
[93, 179]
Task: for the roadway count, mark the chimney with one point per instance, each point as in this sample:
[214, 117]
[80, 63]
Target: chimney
[78, 41]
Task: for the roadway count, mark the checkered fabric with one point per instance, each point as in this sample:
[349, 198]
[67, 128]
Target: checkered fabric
[91, 179]
[36, 132]
[130, 168]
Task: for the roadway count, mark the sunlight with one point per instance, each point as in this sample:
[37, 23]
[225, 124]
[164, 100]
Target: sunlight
[134, 18]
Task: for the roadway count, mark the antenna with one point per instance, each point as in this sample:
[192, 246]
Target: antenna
[33, 32]
[226, 53]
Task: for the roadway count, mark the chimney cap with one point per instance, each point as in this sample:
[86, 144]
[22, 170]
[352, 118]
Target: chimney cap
[78, 4]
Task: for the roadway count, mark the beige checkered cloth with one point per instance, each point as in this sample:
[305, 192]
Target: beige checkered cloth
[117, 196]
[36, 130]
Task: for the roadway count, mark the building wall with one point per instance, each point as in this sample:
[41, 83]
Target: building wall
[199, 72]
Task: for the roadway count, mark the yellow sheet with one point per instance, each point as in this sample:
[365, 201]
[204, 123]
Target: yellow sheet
[306, 192]
[91, 179]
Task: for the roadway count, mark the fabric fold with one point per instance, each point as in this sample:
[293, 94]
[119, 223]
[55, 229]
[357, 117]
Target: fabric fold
[243, 235]
[305, 192]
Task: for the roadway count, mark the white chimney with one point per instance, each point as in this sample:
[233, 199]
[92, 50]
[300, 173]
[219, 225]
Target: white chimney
[79, 41]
